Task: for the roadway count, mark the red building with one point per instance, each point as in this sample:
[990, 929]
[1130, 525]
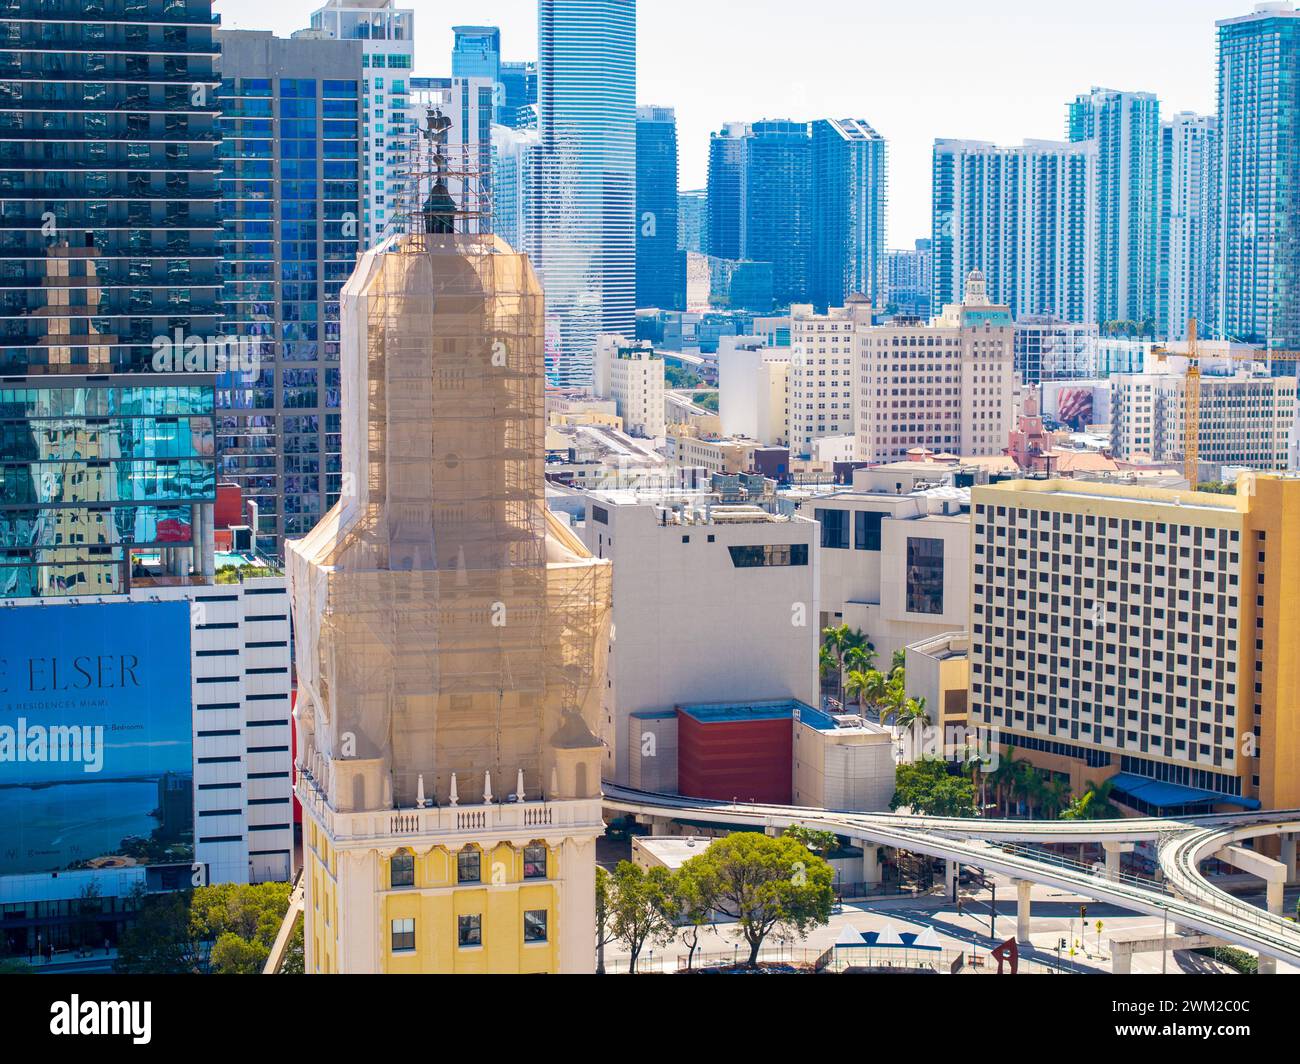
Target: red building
[742, 750]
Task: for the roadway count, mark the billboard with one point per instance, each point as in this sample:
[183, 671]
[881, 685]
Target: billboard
[1074, 408]
[96, 747]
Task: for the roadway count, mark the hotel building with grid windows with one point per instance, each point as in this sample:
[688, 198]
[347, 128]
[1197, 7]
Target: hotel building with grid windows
[1143, 635]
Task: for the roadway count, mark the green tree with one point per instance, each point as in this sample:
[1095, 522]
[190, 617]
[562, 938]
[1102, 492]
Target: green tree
[867, 685]
[765, 884]
[898, 663]
[232, 955]
[641, 908]
[837, 643]
[928, 788]
[818, 842]
[690, 901]
[157, 941]
[252, 912]
[605, 891]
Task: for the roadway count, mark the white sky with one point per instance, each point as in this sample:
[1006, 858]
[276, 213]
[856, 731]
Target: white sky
[1002, 70]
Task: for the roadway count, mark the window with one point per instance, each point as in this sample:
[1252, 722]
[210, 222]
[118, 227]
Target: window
[866, 530]
[763, 556]
[535, 925]
[925, 576]
[535, 862]
[403, 936]
[401, 870]
[469, 930]
[600, 514]
[835, 529]
[467, 866]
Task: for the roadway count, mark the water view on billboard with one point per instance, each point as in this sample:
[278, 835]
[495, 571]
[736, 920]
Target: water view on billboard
[96, 748]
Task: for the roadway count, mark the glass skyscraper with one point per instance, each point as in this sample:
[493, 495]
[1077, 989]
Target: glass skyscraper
[108, 192]
[476, 53]
[1258, 240]
[660, 264]
[723, 220]
[291, 199]
[388, 121]
[776, 206]
[1126, 129]
[584, 246]
[849, 196]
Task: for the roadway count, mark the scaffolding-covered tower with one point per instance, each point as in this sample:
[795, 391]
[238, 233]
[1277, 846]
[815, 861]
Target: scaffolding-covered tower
[451, 633]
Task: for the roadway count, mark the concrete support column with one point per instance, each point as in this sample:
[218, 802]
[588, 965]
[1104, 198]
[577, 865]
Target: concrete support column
[871, 871]
[1275, 898]
[1121, 958]
[1023, 889]
[1267, 965]
[1113, 851]
[950, 879]
[1289, 859]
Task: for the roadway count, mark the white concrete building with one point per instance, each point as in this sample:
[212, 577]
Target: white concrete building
[1246, 419]
[895, 567]
[949, 385]
[1047, 349]
[754, 389]
[713, 602]
[632, 374]
[822, 350]
[842, 762]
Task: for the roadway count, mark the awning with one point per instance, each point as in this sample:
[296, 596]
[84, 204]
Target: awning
[1160, 795]
[849, 937]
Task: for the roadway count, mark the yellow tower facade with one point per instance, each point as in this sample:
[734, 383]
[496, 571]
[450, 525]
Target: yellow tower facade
[451, 639]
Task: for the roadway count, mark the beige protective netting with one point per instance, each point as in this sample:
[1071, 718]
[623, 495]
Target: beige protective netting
[445, 622]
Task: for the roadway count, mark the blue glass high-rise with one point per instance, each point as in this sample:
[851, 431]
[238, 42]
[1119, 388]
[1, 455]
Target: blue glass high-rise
[660, 264]
[848, 212]
[1258, 255]
[777, 205]
[293, 221]
[584, 247]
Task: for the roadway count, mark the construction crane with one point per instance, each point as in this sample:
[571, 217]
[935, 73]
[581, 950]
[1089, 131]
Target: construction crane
[1192, 392]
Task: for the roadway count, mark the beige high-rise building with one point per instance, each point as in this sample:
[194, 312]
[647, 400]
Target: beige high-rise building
[451, 638]
[949, 386]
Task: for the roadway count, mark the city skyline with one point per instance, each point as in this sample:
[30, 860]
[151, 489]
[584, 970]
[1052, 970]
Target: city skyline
[709, 86]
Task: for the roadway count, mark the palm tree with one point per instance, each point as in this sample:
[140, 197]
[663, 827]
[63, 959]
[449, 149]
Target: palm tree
[827, 664]
[866, 685]
[1101, 807]
[859, 658]
[897, 662]
[913, 712]
[1053, 797]
[893, 700]
[838, 642]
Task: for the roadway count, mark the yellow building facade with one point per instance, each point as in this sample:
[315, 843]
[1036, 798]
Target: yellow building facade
[1142, 634]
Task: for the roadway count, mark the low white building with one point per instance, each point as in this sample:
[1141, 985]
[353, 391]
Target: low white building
[754, 389]
[893, 566]
[713, 602]
[632, 374]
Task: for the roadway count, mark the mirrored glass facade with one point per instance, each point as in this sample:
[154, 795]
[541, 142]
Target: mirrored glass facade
[108, 184]
[91, 468]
